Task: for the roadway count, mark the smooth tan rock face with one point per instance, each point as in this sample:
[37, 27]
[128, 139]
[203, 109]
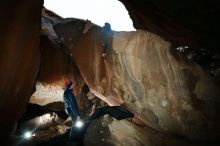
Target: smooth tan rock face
[168, 92]
[141, 72]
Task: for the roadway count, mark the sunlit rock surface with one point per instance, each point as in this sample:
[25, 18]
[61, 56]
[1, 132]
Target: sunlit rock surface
[142, 72]
[168, 92]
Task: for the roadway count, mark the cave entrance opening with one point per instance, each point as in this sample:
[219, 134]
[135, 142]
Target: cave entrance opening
[97, 11]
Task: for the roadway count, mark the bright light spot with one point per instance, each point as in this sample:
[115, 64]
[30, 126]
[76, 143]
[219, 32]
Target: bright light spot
[98, 11]
[182, 49]
[27, 135]
[45, 118]
[40, 120]
[79, 123]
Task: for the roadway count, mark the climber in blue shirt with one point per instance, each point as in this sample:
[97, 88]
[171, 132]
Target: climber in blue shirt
[106, 37]
[77, 134]
[70, 103]
[71, 109]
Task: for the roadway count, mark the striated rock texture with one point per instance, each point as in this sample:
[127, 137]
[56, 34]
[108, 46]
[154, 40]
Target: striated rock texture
[167, 92]
[19, 43]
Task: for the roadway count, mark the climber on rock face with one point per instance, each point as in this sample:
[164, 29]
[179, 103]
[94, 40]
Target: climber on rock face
[70, 105]
[106, 36]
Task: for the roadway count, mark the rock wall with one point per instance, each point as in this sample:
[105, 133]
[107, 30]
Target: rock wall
[167, 92]
[141, 72]
[56, 64]
[170, 93]
[19, 43]
[190, 22]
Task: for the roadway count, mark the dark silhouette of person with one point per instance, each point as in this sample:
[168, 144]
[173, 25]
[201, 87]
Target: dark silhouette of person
[106, 37]
[70, 105]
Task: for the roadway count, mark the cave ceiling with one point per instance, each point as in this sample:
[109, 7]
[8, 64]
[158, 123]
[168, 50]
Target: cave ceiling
[189, 22]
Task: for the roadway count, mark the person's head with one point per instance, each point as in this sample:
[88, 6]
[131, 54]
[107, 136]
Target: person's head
[68, 84]
[107, 25]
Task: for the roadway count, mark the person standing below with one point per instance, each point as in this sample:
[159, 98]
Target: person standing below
[70, 105]
[106, 37]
